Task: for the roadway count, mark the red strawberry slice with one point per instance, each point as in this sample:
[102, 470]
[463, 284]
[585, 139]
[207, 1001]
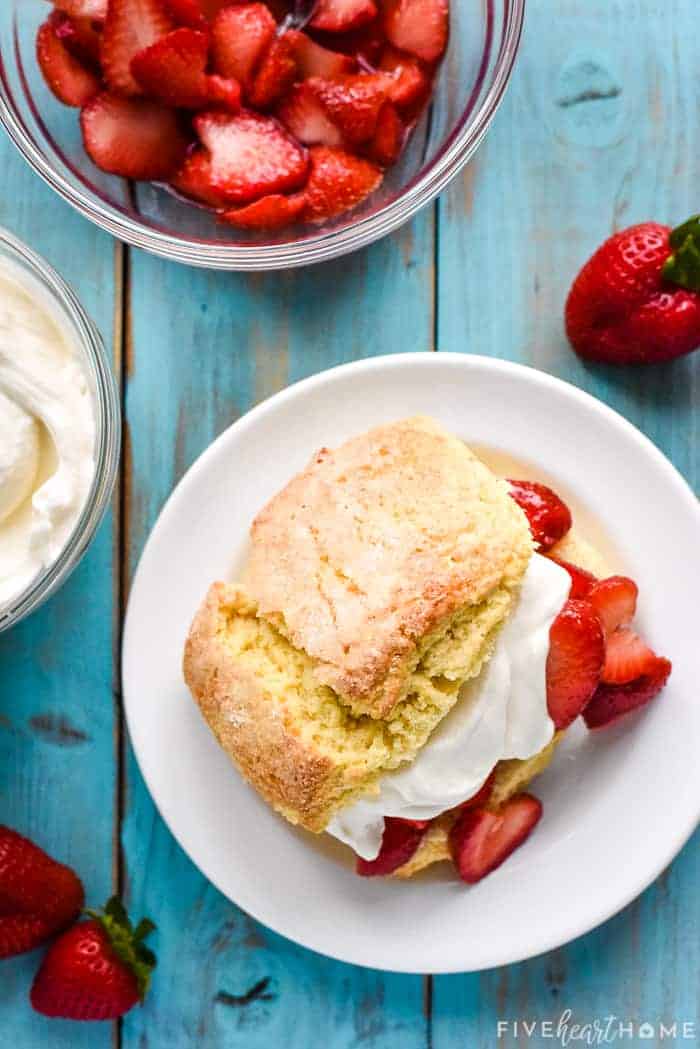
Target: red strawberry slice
[612, 702]
[409, 85]
[389, 136]
[239, 38]
[352, 102]
[314, 60]
[96, 9]
[186, 13]
[582, 582]
[481, 839]
[195, 180]
[82, 37]
[337, 16]
[482, 795]
[224, 92]
[420, 27]
[173, 71]
[251, 155]
[303, 114]
[276, 74]
[365, 45]
[66, 77]
[133, 137]
[268, 213]
[130, 26]
[626, 657]
[400, 841]
[195, 14]
[338, 181]
[575, 661]
[549, 516]
[615, 601]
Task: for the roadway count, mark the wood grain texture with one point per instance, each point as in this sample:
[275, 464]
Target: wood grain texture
[212, 345]
[57, 712]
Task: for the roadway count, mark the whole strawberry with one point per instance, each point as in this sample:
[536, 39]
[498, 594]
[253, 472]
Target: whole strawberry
[98, 970]
[637, 300]
[38, 896]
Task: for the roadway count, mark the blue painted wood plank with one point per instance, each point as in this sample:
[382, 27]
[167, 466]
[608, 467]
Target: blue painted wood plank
[57, 765]
[599, 130]
[205, 347]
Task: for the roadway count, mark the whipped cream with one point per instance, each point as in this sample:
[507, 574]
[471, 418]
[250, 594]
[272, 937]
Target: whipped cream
[47, 433]
[500, 714]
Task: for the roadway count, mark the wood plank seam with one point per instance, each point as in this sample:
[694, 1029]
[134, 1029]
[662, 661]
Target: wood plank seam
[122, 356]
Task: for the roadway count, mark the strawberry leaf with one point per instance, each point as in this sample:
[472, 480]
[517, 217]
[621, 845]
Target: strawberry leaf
[127, 942]
[144, 928]
[683, 266]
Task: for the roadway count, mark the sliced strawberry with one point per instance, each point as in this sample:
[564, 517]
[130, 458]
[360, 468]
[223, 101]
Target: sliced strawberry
[337, 16]
[276, 74]
[389, 136]
[82, 37]
[186, 13]
[615, 601]
[239, 38]
[338, 181]
[195, 180]
[195, 14]
[575, 661]
[365, 45]
[352, 102]
[420, 27]
[482, 795]
[549, 516]
[251, 155]
[314, 60]
[481, 839]
[173, 71]
[303, 114]
[582, 582]
[223, 91]
[626, 657]
[96, 9]
[409, 85]
[67, 78]
[130, 26]
[133, 137]
[400, 841]
[268, 213]
[611, 702]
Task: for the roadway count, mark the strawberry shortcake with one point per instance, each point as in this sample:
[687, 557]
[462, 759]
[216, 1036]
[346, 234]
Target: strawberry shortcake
[411, 638]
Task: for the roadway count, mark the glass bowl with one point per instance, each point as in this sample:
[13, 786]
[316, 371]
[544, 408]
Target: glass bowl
[484, 40]
[71, 318]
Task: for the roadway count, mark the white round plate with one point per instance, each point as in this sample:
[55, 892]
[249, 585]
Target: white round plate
[618, 804]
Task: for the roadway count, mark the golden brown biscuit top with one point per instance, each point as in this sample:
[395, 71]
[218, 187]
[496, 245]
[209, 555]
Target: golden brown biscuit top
[370, 548]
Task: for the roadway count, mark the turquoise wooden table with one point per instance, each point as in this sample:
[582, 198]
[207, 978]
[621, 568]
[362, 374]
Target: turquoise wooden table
[600, 128]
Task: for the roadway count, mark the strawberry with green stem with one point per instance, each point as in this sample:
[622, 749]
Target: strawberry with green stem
[98, 970]
[637, 299]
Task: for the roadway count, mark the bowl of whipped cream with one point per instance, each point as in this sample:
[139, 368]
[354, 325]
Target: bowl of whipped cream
[60, 430]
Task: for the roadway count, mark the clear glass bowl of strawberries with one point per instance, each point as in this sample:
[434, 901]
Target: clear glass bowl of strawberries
[240, 134]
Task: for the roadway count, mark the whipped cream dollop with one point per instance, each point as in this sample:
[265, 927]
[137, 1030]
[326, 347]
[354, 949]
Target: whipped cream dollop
[47, 433]
[500, 714]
